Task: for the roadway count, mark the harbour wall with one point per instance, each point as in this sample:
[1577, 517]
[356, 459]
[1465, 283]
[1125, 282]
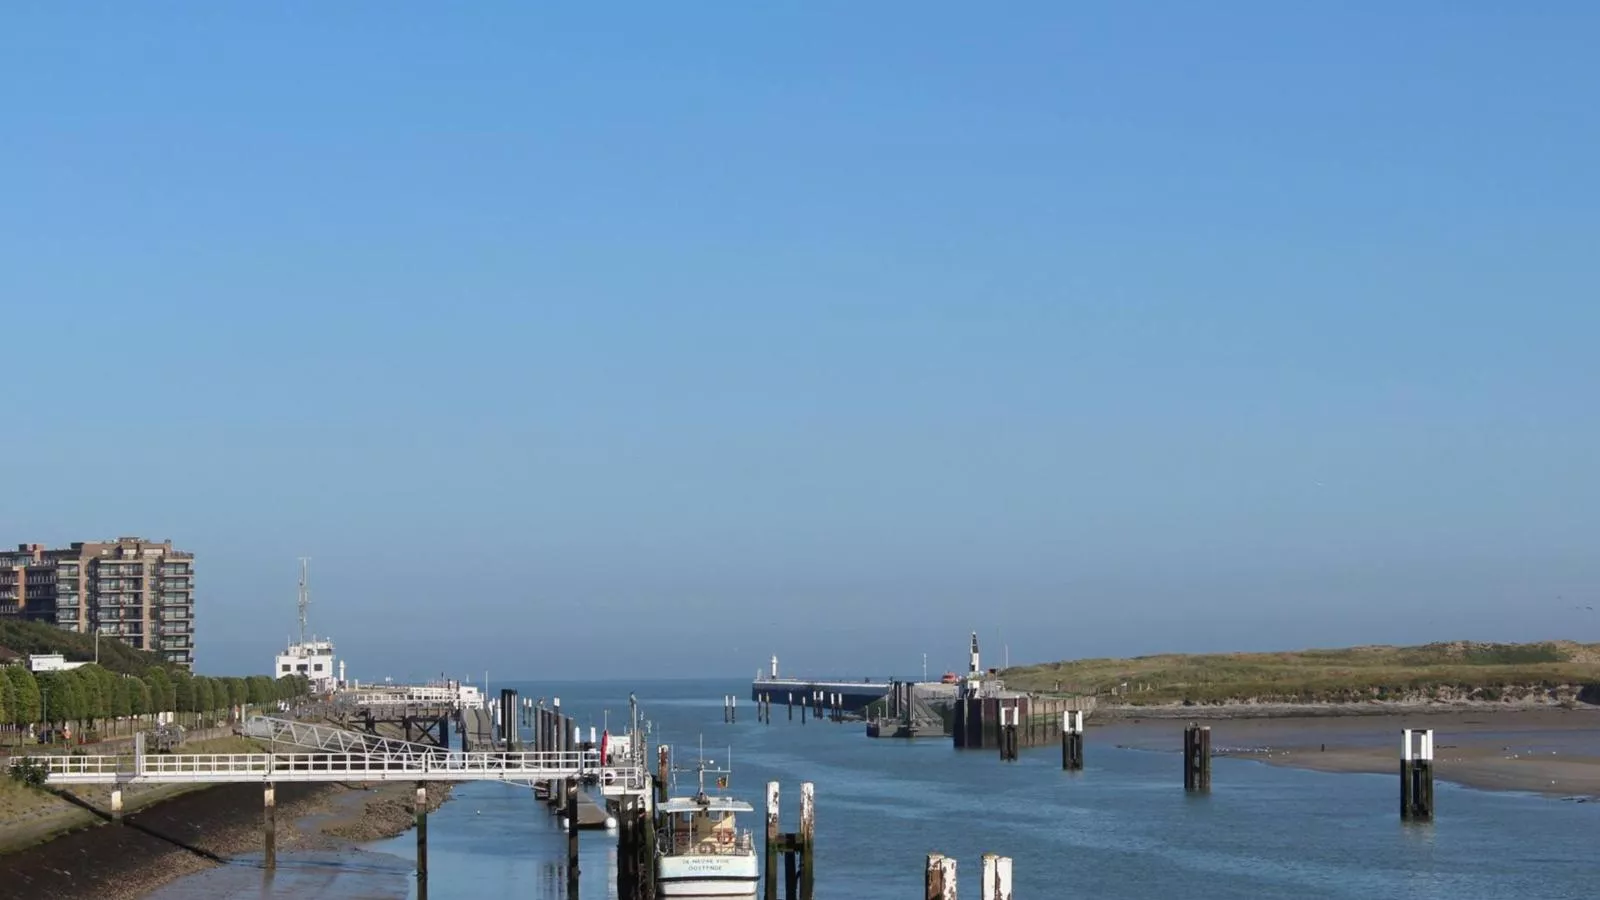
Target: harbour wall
[977, 719]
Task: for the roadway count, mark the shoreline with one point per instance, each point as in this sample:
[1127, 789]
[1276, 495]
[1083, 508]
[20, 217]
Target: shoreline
[1554, 752]
[111, 862]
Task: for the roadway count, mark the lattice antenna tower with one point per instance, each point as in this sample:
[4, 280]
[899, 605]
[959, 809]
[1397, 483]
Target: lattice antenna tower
[305, 595]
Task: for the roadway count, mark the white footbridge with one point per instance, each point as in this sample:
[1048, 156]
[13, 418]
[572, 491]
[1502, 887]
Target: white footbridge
[337, 755]
[335, 740]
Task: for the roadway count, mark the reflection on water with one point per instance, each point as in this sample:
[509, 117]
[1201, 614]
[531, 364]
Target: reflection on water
[1123, 828]
[353, 875]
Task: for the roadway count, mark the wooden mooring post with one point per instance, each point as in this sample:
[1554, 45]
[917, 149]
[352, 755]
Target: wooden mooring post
[791, 706]
[1416, 776]
[996, 877]
[663, 769]
[1072, 740]
[269, 826]
[1197, 758]
[422, 840]
[796, 850]
[940, 880]
[572, 840]
[636, 848]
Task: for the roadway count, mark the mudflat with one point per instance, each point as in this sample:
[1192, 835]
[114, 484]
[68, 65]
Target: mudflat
[112, 862]
[1547, 750]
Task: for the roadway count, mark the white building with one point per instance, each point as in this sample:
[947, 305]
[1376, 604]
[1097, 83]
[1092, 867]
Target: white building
[313, 659]
[51, 662]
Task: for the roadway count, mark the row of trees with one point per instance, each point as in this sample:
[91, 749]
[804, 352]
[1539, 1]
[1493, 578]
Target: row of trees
[89, 695]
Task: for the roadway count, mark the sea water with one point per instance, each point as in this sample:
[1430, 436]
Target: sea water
[1122, 828]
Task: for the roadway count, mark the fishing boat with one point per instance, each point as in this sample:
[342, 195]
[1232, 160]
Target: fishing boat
[703, 851]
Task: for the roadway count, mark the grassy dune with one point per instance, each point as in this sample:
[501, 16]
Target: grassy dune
[1556, 670]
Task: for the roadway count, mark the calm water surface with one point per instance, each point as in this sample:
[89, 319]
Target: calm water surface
[1123, 828]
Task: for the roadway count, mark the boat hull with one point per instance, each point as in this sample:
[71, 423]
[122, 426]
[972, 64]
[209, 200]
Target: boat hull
[707, 876]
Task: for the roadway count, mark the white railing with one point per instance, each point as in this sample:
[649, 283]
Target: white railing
[410, 695]
[237, 767]
[337, 740]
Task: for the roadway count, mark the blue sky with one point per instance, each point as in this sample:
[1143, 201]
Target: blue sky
[658, 339]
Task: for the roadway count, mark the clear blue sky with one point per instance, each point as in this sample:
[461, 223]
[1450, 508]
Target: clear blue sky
[662, 338]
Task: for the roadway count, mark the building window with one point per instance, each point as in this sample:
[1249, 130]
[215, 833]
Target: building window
[302, 667]
[318, 667]
[286, 667]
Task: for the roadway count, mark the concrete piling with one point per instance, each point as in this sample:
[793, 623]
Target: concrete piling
[1197, 758]
[269, 827]
[1416, 776]
[116, 805]
[1072, 740]
[791, 706]
[940, 880]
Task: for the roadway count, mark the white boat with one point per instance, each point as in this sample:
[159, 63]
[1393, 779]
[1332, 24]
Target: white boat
[703, 851]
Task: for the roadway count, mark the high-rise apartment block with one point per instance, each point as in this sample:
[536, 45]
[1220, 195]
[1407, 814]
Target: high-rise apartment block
[138, 591]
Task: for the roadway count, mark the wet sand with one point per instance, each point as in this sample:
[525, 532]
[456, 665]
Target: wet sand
[1550, 751]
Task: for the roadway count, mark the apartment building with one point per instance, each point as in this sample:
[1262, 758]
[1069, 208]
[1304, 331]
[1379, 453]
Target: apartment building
[139, 591]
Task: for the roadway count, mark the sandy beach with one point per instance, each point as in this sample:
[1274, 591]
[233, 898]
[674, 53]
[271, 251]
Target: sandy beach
[1546, 750]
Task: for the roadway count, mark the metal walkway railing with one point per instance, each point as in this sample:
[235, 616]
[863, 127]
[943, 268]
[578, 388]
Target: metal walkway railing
[262, 767]
[335, 740]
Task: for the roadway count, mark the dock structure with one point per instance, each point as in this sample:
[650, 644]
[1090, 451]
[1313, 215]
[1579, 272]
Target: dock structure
[978, 723]
[914, 710]
[821, 693]
[575, 772]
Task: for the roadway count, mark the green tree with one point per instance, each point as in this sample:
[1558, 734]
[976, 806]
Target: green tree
[8, 700]
[163, 695]
[183, 692]
[238, 691]
[205, 693]
[121, 697]
[26, 711]
[61, 702]
[107, 683]
[261, 691]
[139, 702]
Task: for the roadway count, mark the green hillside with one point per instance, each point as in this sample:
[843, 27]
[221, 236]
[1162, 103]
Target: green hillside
[37, 637]
[1456, 670]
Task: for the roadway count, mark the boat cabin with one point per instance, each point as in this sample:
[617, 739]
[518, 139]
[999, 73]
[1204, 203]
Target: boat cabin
[705, 826]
